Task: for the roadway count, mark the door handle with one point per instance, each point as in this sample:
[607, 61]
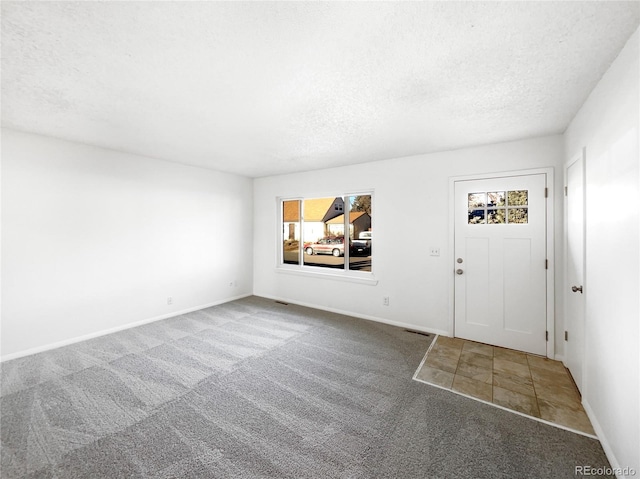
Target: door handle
[575, 289]
[459, 271]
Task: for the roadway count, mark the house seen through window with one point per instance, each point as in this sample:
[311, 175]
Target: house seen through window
[332, 232]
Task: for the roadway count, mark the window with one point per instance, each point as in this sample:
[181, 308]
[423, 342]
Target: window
[498, 207]
[317, 233]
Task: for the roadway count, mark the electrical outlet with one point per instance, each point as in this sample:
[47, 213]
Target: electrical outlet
[434, 251]
[385, 301]
[170, 300]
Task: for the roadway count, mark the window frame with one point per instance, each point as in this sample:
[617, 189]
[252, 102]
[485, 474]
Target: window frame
[303, 269]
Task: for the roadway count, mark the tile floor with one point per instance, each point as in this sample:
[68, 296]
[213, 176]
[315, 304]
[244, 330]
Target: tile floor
[531, 385]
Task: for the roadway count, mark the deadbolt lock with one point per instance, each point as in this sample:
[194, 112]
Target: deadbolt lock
[459, 260]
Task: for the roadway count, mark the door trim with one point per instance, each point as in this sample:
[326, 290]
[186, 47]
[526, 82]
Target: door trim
[550, 237]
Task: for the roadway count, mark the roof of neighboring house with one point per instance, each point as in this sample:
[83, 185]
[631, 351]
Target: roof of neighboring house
[316, 209]
[353, 215]
[290, 211]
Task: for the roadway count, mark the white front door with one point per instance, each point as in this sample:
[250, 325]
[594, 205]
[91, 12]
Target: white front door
[500, 262]
[574, 335]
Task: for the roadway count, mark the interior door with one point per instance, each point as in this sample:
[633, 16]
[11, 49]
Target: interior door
[500, 265]
[574, 295]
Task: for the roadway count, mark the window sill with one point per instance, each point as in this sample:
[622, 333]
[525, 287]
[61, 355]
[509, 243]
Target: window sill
[371, 281]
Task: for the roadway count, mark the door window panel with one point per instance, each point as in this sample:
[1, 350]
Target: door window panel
[496, 199]
[496, 217]
[518, 215]
[518, 197]
[499, 207]
[477, 208]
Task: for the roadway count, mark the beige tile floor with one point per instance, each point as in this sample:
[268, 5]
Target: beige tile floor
[531, 385]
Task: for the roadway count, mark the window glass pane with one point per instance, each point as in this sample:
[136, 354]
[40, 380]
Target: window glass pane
[291, 232]
[477, 200]
[476, 217]
[323, 232]
[518, 215]
[495, 217]
[496, 198]
[518, 198]
[477, 205]
[360, 232]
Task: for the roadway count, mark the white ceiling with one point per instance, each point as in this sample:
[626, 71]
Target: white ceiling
[263, 88]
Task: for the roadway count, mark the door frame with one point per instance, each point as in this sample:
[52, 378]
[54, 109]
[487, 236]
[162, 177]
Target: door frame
[550, 238]
[581, 156]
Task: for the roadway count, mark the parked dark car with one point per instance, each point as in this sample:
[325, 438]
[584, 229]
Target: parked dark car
[360, 246]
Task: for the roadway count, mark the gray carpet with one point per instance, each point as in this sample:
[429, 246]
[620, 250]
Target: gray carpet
[257, 389]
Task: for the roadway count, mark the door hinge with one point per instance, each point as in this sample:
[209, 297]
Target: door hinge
[546, 192]
[546, 264]
[566, 191]
[546, 335]
[566, 335]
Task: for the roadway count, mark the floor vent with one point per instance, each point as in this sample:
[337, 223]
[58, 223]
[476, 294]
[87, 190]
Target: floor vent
[282, 302]
[417, 332]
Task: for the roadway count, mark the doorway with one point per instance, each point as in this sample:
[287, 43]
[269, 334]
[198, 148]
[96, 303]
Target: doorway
[500, 261]
[575, 260]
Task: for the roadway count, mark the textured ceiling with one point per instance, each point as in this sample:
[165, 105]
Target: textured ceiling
[262, 88]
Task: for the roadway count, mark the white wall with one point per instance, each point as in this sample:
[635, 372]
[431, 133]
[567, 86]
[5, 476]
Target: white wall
[608, 126]
[410, 214]
[94, 239]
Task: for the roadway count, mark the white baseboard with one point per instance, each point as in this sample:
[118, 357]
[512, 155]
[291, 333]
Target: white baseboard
[360, 316]
[615, 465]
[104, 332]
